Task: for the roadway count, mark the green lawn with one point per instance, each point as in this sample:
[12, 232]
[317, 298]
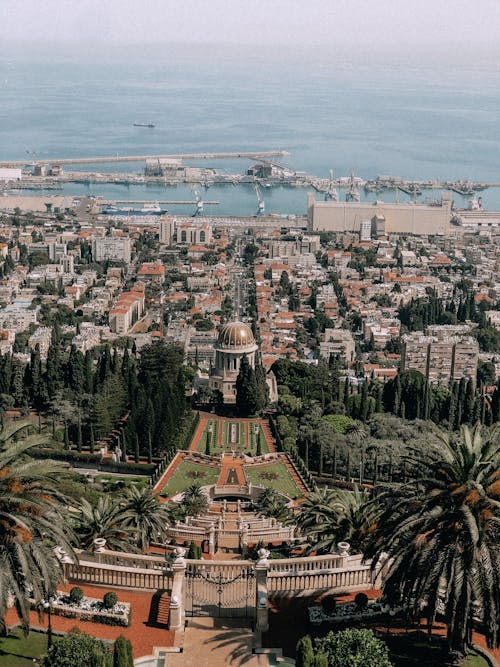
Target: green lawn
[413, 652]
[19, 651]
[188, 473]
[226, 446]
[274, 475]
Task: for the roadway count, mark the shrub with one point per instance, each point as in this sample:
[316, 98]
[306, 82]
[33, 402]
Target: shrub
[109, 600]
[329, 604]
[122, 654]
[76, 595]
[354, 648]
[305, 653]
[78, 650]
[361, 601]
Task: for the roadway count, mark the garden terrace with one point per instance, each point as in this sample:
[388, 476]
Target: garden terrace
[185, 472]
[275, 475]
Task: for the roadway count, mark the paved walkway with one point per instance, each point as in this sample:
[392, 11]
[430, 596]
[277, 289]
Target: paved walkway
[231, 467]
[217, 643]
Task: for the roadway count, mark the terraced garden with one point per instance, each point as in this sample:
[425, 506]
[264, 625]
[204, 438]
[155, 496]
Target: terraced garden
[226, 436]
[187, 473]
[274, 475]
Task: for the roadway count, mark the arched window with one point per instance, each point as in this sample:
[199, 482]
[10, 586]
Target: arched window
[183, 236]
[202, 237]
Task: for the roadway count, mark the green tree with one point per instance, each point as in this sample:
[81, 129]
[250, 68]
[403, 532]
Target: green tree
[194, 500]
[32, 521]
[246, 389]
[145, 515]
[441, 532]
[272, 504]
[103, 520]
[122, 653]
[353, 648]
[304, 652]
[77, 649]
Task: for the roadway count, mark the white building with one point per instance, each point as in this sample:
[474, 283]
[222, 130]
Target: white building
[114, 248]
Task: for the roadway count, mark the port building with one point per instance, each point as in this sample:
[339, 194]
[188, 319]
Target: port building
[386, 218]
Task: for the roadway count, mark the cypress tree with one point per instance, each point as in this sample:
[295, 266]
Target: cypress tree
[150, 448]
[88, 373]
[122, 653]
[207, 444]
[305, 653]
[136, 451]
[258, 451]
[92, 441]
[79, 435]
[469, 398]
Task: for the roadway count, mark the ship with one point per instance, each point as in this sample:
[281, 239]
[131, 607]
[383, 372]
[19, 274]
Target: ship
[150, 124]
[152, 208]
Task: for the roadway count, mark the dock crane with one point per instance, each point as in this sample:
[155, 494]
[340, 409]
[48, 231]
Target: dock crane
[353, 193]
[199, 203]
[331, 193]
[261, 204]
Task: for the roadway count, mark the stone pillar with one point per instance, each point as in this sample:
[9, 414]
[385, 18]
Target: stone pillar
[177, 612]
[261, 603]
[211, 540]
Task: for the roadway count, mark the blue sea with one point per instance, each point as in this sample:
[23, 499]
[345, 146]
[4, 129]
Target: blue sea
[428, 122]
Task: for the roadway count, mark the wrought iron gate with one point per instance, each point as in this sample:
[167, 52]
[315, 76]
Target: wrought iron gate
[222, 591]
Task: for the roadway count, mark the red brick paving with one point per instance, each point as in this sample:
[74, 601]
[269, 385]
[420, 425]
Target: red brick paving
[144, 636]
[288, 621]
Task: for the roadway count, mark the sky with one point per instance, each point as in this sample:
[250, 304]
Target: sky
[397, 25]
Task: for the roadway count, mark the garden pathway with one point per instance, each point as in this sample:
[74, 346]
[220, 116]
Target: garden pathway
[217, 643]
[229, 464]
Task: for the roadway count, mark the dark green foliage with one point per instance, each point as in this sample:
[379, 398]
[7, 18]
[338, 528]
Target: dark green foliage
[251, 389]
[76, 595]
[109, 600]
[77, 649]
[122, 654]
[353, 648]
[305, 653]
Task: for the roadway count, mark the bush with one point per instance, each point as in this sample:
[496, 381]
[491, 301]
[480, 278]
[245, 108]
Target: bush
[76, 595]
[78, 650]
[353, 648]
[329, 604]
[109, 600]
[361, 601]
[305, 653]
[122, 654]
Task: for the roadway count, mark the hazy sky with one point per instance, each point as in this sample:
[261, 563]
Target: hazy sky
[397, 23]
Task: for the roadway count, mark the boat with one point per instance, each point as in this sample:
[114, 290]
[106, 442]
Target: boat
[152, 208]
[144, 124]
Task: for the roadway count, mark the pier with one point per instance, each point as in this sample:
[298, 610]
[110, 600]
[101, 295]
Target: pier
[252, 155]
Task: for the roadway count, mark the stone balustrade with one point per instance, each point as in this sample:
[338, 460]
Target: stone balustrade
[119, 576]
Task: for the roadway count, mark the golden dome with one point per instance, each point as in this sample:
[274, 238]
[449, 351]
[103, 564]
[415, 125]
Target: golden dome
[235, 334]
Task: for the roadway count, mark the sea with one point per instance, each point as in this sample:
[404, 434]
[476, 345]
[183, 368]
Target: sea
[431, 120]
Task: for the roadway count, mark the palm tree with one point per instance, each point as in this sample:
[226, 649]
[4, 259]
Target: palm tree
[329, 516]
[194, 500]
[272, 504]
[145, 514]
[32, 522]
[103, 520]
[441, 532]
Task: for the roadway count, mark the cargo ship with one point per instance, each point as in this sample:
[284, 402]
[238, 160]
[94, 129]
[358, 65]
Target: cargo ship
[144, 124]
[148, 209]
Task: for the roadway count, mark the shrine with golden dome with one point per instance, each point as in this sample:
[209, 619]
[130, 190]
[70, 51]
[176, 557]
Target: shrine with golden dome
[235, 340]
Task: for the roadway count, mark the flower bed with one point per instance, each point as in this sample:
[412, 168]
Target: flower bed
[90, 609]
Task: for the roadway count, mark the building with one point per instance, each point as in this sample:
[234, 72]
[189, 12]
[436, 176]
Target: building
[167, 229]
[408, 218]
[153, 272]
[127, 310]
[113, 248]
[338, 342]
[190, 232]
[442, 358]
[235, 340]
[365, 230]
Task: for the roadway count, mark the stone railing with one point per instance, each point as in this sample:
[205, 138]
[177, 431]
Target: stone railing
[304, 576]
[122, 559]
[119, 576]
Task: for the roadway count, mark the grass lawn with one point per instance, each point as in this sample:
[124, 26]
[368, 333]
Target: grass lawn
[19, 651]
[274, 475]
[226, 446]
[189, 473]
[413, 652]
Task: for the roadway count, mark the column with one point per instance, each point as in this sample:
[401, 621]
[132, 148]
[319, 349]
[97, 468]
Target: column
[177, 613]
[261, 569]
